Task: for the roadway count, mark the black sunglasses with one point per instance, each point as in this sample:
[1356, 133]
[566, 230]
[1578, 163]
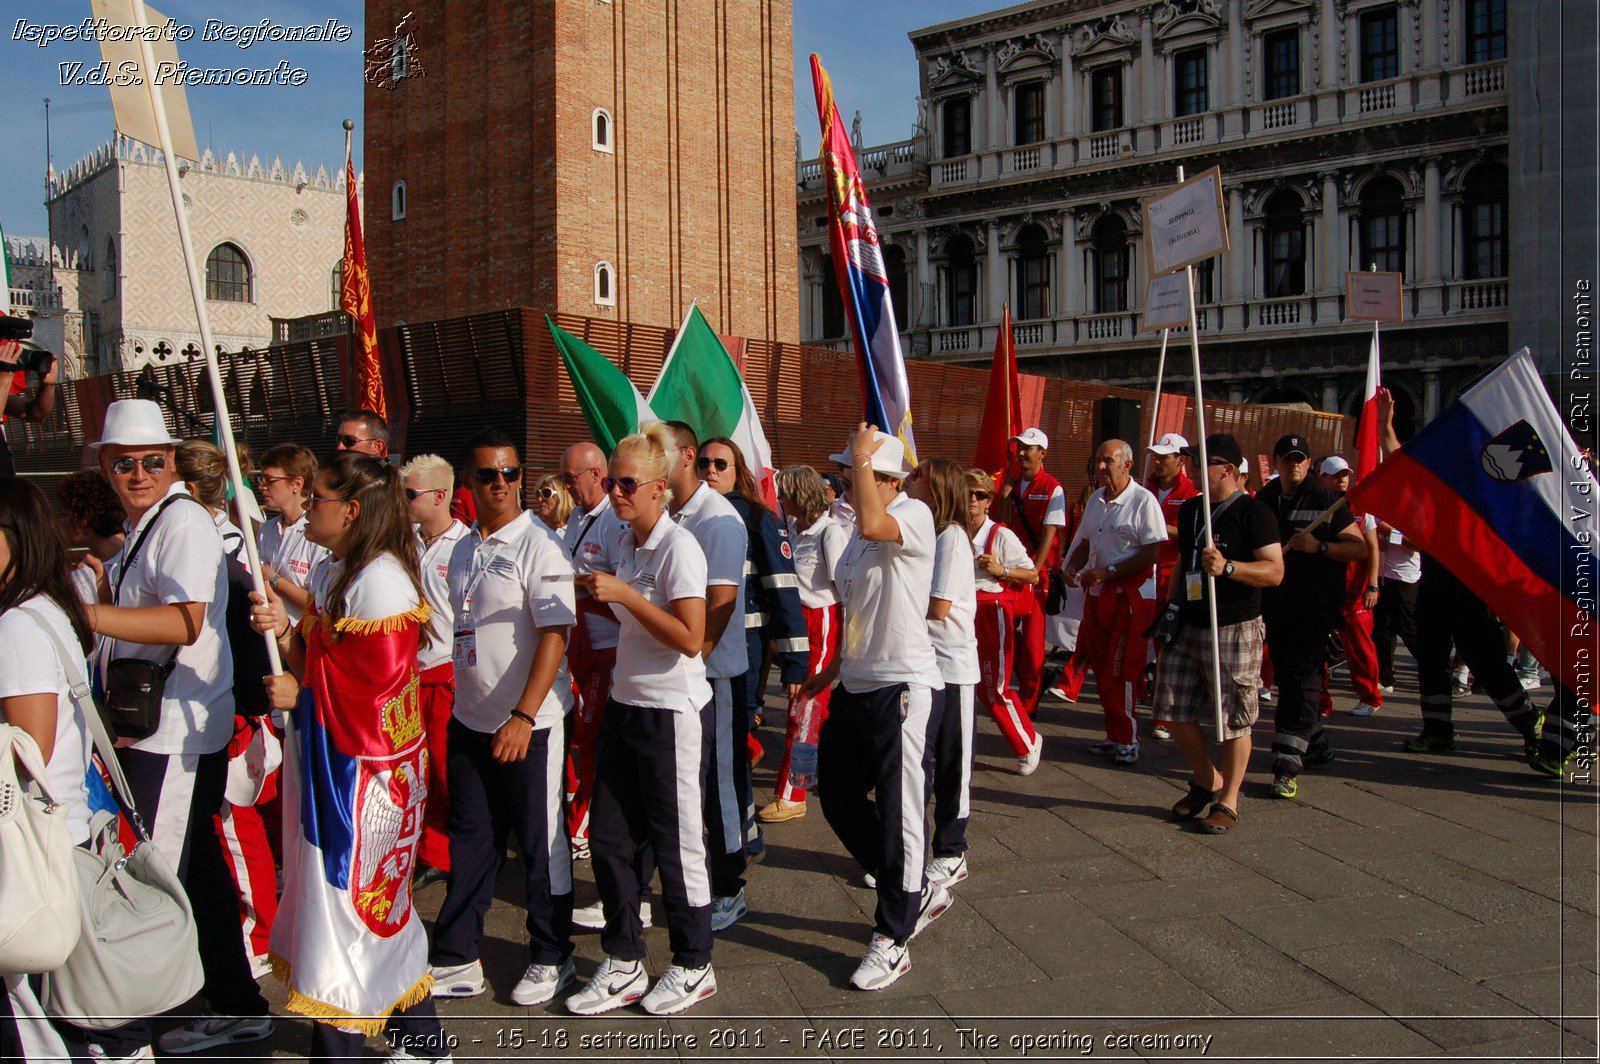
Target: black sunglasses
[489, 474]
[413, 494]
[153, 464]
[719, 464]
[350, 442]
[981, 496]
[629, 485]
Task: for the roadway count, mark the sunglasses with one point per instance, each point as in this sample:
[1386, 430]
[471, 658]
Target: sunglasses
[153, 464]
[488, 475]
[266, 481]
[413, 494]
[629, 485]
[981, 496]
[315, 498]
[350, 442]
[572, 478]
[719, 464]
[547, 494]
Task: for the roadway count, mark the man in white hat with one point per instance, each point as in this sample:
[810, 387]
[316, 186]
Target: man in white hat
[163, 600]
[1360, 599]
[1037, 512]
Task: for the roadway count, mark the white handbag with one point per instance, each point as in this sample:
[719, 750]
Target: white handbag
[38, 887]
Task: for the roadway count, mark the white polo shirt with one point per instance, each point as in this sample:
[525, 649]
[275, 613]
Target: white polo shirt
[669, 565]
[435, 559]
[885, 589]
[290, 554]
[1117, 528]
[592, 539]
[181, 561]
[817, 551]
[504, 588]
[955, 639]
[1007, 548]
[720, 531]
[379, 591]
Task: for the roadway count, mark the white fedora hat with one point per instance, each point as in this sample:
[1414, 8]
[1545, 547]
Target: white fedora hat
[889, 459]
[135, 423]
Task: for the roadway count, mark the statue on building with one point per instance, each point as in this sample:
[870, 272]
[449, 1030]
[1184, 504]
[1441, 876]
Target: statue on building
[855, 132]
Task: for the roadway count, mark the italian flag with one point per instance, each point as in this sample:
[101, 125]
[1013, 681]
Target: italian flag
[701, 386]
[611, 404]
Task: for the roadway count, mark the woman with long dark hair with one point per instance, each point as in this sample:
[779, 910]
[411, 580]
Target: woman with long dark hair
[36, 697]
[348, 941]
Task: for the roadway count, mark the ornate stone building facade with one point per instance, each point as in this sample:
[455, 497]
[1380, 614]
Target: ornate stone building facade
[269, 238]
[1348, 133]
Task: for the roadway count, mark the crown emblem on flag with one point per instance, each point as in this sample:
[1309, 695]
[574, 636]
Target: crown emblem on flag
[1516, 454]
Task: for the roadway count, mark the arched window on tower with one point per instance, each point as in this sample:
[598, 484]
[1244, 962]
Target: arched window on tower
[397, 201]
[1285, 237]
[602, 131]
[1111, 271]
[960, 281]
[605, 284]
[1033, 274]
[1483, 223]
[1383, 225]
[227, 275]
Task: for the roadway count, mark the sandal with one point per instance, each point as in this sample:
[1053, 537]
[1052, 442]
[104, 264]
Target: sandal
[1221, 821]
[1194, 803]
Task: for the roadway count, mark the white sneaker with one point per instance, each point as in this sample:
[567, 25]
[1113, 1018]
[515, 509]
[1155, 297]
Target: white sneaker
[678, 988]
[1028, 762]
[884, 963]
[1127, 755]
[260, 967]
[936, 901]
[1363, 709]
[1265, 694]
[1386, 688]
[869, 881]
[615, 984]
[593, 917]
[580, 849]
[1058, 692]
[725, 912]
[541, 982]
[1104, 747]
[1160, 732]
[211, 1031]
[98, 1054]
[458, 980]
[948, 870]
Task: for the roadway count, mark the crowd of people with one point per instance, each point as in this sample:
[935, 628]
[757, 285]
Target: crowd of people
[588, 676]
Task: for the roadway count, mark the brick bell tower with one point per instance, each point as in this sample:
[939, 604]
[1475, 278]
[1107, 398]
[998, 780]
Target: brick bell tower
[611, 158]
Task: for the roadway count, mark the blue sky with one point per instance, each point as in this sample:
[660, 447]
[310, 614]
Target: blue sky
[863, 45]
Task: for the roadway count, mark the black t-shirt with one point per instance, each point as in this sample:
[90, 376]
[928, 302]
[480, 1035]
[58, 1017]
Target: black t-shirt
[1241, 527]
[1311, 582]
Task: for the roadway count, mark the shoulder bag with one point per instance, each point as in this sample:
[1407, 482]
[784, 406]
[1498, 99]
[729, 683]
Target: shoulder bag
[38, 888]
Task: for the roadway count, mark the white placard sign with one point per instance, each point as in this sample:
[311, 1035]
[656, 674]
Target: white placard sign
[1372, 296]
[1166, 302]
[1187, 224]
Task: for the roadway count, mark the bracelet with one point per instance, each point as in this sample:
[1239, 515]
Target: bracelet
[529, 721]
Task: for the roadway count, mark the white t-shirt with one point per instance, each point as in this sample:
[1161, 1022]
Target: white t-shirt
[1400, 560]
[720, 531]
[955, 639]
[669, 565]
[29, 665]
[435, 565]
[291, 555]
[379, 591]
[885, 589]
[1055, 511]
[1117, 528]
[593, 547]
[1008, 549]
[503, 589]
[181, 561]
[817, 551]
[232, 542]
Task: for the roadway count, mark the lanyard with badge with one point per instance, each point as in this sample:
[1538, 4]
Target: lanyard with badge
[465, 652]
[1194, 577]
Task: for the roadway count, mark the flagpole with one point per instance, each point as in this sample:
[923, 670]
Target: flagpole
[1161, 367]
[219, 398]
[1205, 497]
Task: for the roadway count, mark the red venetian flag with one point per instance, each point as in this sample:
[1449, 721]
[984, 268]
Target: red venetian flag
[1002, 409]
[1368, 453]
[355, 299]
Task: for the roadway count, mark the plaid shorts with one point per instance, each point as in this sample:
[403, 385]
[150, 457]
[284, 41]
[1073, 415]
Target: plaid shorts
[1183, 676]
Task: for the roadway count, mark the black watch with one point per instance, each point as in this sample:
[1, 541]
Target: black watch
[1322, 547]
[1227, 570]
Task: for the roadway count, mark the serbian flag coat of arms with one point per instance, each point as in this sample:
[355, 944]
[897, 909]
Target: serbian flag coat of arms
[347, 939]
[1496, 490]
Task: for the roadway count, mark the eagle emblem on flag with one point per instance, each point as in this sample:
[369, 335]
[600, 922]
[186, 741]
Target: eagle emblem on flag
[389, 812]
[1516, 454]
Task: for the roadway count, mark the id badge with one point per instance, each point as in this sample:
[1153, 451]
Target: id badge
[1192, 586]
[1395, 537]
[465, 654]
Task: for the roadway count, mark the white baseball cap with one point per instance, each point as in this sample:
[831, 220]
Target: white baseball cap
[1171, 443]
[1244, 466]
[889, 459]
[1334, 464]
[1033, 438]
[135, 423]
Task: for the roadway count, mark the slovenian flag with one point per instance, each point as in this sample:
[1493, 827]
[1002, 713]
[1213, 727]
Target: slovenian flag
[700, 385]
[1495, 489]
[863, 279]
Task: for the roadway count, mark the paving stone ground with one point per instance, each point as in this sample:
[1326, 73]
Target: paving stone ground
[1403, 906]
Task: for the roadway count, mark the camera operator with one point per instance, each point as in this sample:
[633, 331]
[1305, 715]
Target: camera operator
[18, 356]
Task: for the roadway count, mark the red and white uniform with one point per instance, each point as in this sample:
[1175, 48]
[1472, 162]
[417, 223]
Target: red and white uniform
[817, 551]
[1360, 653]
[592, 539]
[1116, 613]
[437, 692]
[995, 623]
[1171, 499]
[1036, 504]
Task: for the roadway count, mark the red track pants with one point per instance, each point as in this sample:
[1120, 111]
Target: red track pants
[807, 714]
[437, 695]
[591, 678]
[1113, 625]
[246, 838]
[1360, 655]
[1030, 648]
[995, 641]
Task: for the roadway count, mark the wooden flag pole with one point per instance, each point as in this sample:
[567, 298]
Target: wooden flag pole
[219, 398]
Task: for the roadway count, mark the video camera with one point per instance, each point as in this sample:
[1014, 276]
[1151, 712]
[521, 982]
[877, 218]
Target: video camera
[31, 358]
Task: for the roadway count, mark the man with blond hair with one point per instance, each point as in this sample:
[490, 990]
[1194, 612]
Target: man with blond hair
[428, 481]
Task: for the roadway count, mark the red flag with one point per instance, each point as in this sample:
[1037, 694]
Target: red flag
[355, 299]
[1368, 453]
[1002, 409]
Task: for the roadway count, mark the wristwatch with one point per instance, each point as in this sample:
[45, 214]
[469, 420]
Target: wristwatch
[1112, 569]
[1227, 569]
[273, 583]
[1322, 548]
[1372, 587]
